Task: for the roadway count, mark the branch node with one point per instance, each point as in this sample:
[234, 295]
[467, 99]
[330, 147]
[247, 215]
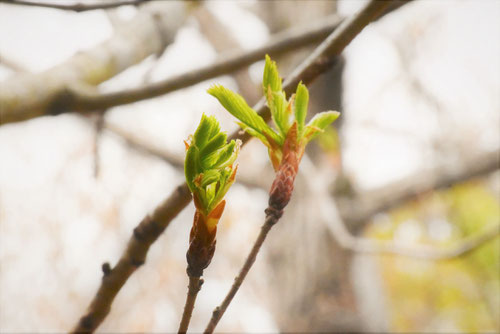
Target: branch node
[144, 232]
[273, 215]
[106, 269]
[60, 102]
[215, 313]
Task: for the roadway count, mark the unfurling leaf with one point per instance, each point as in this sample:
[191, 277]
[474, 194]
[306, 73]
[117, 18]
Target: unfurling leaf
[208, 159]
[277, 104]
[285, 115]
[301, 102]
[319, 123]
[271, 77]
[238, 107]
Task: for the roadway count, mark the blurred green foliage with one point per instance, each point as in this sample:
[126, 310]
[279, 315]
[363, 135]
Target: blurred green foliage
[456, 295]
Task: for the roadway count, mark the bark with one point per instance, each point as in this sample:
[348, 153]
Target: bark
[29, 95]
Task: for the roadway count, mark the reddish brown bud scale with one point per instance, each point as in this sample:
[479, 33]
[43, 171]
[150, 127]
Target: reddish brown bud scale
[201, 246]
[282, 187]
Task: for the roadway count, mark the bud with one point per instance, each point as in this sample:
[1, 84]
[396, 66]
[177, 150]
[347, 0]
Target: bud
[209, 173]
[287, 141]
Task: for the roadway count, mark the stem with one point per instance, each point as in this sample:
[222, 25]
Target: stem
[195, 283]
[219, 310]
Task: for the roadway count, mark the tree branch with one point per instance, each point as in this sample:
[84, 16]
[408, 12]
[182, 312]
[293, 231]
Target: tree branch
[62, 96]
[328, 210]
[153, 225]
[149, 229]
[369, 246]
[195, 283]
[35, 94]
[77, 7]
[397, 193]
[330, 215]
[219, 310]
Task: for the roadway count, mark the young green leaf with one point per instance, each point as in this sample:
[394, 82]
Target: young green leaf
[207, 158]
[238, 107]
[301, 102]
[225, 153]
[277, 104]
[208, 128]
[214, 144]
[319, 123]
[226, 180]
[209, 177]
[191, 166]
[210, 195]
[271, 76]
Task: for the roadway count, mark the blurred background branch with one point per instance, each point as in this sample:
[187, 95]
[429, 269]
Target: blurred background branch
[77, 7]
[32, 95]
[19, 104]
[358, 211]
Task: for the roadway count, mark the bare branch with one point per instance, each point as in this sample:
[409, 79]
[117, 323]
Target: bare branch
[133, 257]
[195, 283]
[369, 246]
[62, 97]
[31, 95]
[238, 281]
[77, 7]
[329, 213]
[151, 227]
[397, 193]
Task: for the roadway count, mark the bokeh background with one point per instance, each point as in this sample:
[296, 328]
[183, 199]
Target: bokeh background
[410, 167]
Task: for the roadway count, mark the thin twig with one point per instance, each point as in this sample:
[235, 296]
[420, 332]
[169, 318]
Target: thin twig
[153, 225]
[194, 287]
[333, 45]
[99, 124]
[77, 7]
[219, 310]
[402, 191]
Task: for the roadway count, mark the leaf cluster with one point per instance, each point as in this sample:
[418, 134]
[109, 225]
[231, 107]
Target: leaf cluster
[285, 112]
[209, 164]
